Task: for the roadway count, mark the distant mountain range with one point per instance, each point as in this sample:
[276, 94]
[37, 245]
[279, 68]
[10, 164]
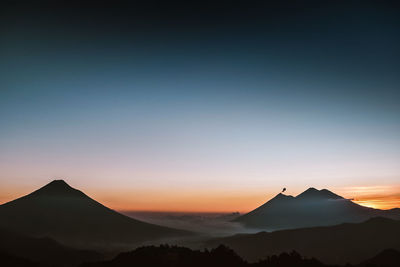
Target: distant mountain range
[311, 208]
[69, 216]
[339, 244]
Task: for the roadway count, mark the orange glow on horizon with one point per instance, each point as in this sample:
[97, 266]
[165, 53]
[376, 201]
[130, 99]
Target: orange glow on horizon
[382, 202]
[189, 200]
[380, 197]
[243, 201]
[377, 196]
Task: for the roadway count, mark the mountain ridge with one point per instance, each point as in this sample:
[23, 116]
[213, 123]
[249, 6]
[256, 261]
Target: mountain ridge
[338, 244]
[310, 208]
[315, 193]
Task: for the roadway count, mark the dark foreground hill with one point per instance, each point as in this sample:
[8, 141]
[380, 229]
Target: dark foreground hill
[43, 250]
[311, 208]
[166, 256]
[338, 244]
[61, 212]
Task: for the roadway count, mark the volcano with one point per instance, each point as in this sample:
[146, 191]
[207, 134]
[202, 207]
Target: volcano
[69, 216]
[311, 208]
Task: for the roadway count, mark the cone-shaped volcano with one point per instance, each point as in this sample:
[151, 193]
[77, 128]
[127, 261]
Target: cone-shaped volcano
[68, 215]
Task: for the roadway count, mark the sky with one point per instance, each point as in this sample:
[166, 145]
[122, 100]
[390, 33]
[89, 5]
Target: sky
[201, 107]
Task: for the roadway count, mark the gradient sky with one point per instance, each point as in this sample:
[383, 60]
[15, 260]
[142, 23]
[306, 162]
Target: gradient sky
[208, 107]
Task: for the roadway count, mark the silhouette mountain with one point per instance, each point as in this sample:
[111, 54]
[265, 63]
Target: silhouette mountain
[311, 208]
[339, 244]
[69, 216]
[312, 193]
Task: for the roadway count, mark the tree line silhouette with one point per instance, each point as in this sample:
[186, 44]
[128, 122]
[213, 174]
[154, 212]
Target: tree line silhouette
[175, 256]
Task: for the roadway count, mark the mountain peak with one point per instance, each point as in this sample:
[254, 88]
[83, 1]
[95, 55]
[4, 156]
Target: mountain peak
[57, 188]
[280, 197]
[311, 190]
[315, 193]
[58, 183]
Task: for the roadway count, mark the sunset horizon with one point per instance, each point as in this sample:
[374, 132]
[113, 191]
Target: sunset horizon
[378, 197]
[200, 133]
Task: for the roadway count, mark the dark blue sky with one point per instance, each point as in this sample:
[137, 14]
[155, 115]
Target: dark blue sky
[199, 95]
